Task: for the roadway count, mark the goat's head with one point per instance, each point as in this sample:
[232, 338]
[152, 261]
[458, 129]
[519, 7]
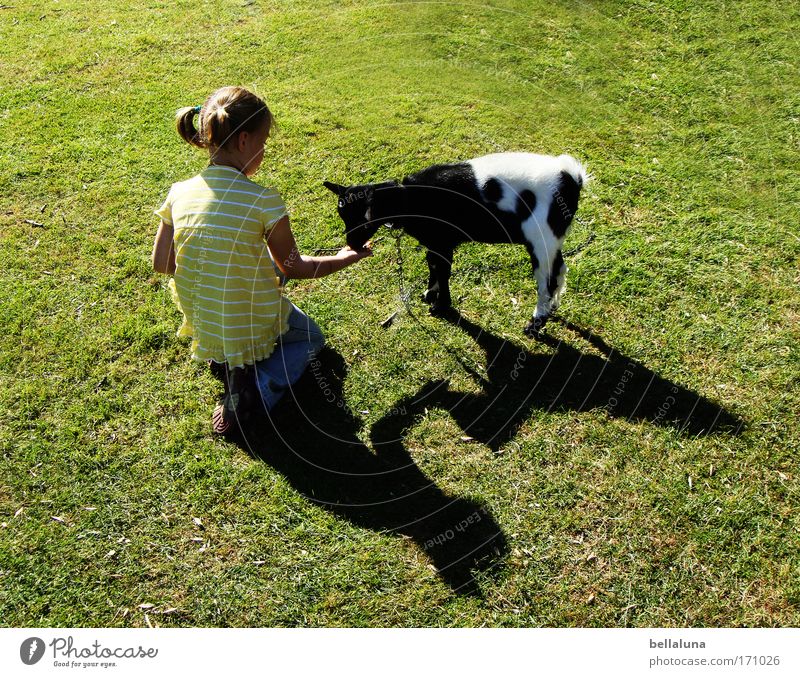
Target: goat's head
[355, 209]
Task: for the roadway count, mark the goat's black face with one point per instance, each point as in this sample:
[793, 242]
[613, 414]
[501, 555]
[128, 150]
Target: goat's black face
[354, 209]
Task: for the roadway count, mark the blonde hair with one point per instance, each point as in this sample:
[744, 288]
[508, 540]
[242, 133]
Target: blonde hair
[225, 113]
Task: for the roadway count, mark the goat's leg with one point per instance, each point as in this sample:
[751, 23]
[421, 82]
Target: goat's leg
[549, 283]
[432, 293]
[444, 267]
[557, 281]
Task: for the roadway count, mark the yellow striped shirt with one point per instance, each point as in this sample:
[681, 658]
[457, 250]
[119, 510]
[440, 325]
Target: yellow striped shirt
[224, 282]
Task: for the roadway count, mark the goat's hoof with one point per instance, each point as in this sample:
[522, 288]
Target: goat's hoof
[534, 328]
[430, 296]
[440, 309]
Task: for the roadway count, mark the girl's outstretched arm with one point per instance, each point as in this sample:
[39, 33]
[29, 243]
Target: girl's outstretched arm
[293, 264]
[164, 250]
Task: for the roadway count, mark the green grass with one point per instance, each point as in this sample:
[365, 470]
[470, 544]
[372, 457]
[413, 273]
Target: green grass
[686, 113]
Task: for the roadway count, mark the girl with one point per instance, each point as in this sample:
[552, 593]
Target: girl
[217, 232]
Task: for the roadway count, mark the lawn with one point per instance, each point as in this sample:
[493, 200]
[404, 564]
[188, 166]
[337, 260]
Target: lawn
[636, 467]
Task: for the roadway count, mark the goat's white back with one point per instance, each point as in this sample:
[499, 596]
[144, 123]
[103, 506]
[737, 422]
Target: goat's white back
[517, 172]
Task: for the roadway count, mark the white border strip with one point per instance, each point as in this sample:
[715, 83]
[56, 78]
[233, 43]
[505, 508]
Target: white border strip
[354, 653]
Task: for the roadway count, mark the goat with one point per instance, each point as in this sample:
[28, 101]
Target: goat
[519, 198]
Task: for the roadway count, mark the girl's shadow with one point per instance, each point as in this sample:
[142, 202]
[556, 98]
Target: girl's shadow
[517, 382]
[311, 439]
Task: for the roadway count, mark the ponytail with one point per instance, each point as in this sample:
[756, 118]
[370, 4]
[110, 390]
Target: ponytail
[225, 113]
[184, 121]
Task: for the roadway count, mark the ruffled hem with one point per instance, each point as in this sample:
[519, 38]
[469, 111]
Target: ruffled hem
[250, 353]
[236, 352]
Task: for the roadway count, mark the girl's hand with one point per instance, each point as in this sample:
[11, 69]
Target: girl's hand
[353, 255]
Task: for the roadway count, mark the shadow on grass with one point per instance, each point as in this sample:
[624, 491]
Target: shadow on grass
[517, 382]
[311, 439]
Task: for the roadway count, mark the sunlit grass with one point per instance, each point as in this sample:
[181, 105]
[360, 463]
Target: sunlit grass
[686, 115]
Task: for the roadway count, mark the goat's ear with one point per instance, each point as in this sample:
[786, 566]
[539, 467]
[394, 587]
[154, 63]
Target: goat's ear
[334, 187]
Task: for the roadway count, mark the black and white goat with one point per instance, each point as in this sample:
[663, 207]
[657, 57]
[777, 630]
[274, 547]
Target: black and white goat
[518, 198]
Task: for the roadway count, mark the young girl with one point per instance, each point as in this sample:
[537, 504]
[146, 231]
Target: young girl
[217, 232]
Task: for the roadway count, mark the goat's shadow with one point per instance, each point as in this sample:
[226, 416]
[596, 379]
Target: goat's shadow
[311, 438]
[518, 382]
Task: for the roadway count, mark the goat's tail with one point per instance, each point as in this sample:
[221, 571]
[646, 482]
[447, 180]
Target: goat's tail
[575, 169]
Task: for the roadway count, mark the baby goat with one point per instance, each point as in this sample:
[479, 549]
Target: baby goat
[519, 198]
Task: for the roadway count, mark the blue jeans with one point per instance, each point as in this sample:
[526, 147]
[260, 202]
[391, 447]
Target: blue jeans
[293, 351]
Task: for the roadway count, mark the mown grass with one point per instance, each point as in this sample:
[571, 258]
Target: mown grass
[596, 513]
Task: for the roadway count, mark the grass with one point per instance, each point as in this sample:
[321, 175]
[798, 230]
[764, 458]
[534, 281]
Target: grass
[578, 500]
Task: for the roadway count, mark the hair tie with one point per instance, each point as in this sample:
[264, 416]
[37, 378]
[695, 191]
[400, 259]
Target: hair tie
[197, 109]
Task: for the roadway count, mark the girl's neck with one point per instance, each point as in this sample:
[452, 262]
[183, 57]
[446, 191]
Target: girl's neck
[216, 162]
[223, 159]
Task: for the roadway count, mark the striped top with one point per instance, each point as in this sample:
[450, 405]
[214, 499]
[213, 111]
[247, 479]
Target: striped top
[225, 283]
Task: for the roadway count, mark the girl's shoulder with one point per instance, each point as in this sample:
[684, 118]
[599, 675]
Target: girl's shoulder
[186, 184]
[263, 191]
[267, 196]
